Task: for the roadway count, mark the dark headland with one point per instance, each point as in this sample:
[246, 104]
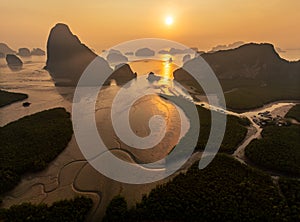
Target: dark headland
[250, 75]
[67, 58]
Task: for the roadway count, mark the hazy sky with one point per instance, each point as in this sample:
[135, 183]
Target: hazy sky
[201, 23]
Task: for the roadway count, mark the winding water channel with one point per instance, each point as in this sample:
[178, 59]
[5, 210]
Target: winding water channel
[69, 174]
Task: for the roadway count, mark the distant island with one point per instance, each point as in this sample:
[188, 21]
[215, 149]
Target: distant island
[13, 62]
[24, 52]
[37, 52]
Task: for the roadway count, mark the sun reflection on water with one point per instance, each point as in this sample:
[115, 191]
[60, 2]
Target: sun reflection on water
[164, 67]
[167, 69]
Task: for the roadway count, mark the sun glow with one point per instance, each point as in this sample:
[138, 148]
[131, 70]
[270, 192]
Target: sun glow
[169, 20]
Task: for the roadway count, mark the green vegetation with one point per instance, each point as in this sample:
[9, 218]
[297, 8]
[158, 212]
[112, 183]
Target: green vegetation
[30, 143]
[244, 121]
[235, 130]
[294, 113]
[245, 98]
[116, 210]
[7, 98]
[224, 191]
[278, 150]
[290, 188]
[242, 94]
[64, 211]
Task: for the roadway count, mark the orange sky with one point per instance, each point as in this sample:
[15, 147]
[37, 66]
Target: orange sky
[201, 23]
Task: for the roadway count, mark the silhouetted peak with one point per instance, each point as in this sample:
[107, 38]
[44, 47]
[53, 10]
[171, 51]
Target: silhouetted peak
[67, 58]
[62, 34]
[62, 26]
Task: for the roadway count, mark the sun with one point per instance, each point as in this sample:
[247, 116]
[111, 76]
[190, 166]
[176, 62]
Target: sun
[169, 20]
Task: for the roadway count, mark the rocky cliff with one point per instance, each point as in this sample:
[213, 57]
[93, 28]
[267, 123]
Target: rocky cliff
[67, 58]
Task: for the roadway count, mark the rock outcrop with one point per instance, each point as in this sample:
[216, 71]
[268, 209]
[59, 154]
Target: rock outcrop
[5, 49]
[122, 74]
[26, 104]
[153, 78]
[116, 58]
[37, 52]
[24, 52]
[67, 58]
[144, 52]
[13, 60]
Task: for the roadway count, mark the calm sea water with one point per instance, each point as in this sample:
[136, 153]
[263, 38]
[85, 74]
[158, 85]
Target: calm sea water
[33, 80]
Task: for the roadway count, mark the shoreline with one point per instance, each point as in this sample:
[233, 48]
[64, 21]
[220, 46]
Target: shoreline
[84, 182]
[254, 132]
[264, 106]
[200, 98]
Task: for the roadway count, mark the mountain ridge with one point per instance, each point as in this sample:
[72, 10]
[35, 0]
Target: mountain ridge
[250, 75]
